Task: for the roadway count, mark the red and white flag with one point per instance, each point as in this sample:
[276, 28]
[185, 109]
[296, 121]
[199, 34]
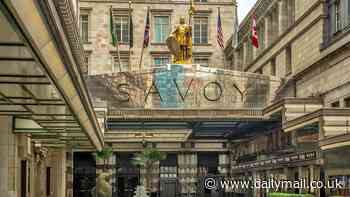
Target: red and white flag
[255, 38]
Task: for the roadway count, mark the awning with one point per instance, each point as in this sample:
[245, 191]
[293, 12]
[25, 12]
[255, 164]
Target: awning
[333, 125]
[40, 81]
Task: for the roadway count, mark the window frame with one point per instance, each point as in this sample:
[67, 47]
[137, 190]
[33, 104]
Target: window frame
[153, 36]
[207, 41]
[154, 57]
[114, 60]
[289, 61]
[120, 37]
[347, 102]
[87, 61]
[201, 1]
[195, 58]
[85, 40]
[336, 26]
[335, 104]
[273, 70]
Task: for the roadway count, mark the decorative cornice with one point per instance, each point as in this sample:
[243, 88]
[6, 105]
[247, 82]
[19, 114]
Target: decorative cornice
[218, 3]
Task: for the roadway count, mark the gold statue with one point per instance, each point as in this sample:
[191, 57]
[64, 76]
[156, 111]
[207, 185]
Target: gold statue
[180, 43]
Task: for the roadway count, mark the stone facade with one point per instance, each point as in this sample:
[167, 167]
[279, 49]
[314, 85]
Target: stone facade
[311, 57]
[100, 50]
[318, 67]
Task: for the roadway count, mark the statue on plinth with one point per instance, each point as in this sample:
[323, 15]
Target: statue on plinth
[180, 43]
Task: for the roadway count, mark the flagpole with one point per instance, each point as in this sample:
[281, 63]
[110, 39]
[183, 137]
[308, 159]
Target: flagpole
[130, 34]
[143, 41]
[118, 54]
[116, 44]
[191, 10]
[140, 63]
[222, 49]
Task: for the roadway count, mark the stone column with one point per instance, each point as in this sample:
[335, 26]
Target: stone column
[69, 176]
[9, 167]
[315, 176]
[282, 16]
[187, 172]
[224, 163]
[245, 51]
[255, 178]
[58, 176]
[267, 31]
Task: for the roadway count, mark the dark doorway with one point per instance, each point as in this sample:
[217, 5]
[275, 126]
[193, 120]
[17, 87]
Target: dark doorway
[84, 174]
[127, 185]
[208, 164]
[127, 175]
[24, 177]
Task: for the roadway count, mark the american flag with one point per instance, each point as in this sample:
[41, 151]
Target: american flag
[220, 36]
[146, 34]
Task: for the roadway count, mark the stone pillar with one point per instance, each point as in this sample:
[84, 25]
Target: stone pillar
[69, 176]
[187, 171]
[267, 31]
[256, 177]
[224, 164]
[315, 176]
[9, 167]
[245, 51]
[301, 176]
[282, 16]
[58, 176]
[286, 176]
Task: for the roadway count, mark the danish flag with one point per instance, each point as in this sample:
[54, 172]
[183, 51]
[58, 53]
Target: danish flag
[255, 38]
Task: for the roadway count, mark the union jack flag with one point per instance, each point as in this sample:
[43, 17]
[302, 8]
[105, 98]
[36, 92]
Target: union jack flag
[146, 34]
[220, 36]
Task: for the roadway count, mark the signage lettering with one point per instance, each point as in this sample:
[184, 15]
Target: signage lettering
[207, 91]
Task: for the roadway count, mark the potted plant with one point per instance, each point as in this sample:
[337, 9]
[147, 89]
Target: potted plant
[146, 159]
[104, 155]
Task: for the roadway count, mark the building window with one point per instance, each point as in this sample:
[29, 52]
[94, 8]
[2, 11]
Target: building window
[161, 60]
[249, 53]
[200, 31]
[202, 61]
[86, 68]
[339, 15]
[84, 28]
[347, 102]
[275, 24]
[273, 66]
[124, 63]
[335, 104]
[259, 71]
[161, 28]
[261, 35]
[288, 60]
[121, 27]
[290, 5]
[239, 62]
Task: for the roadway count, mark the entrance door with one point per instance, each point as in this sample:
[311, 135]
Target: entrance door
[84, 177]
[126, 185]
[168, 188]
